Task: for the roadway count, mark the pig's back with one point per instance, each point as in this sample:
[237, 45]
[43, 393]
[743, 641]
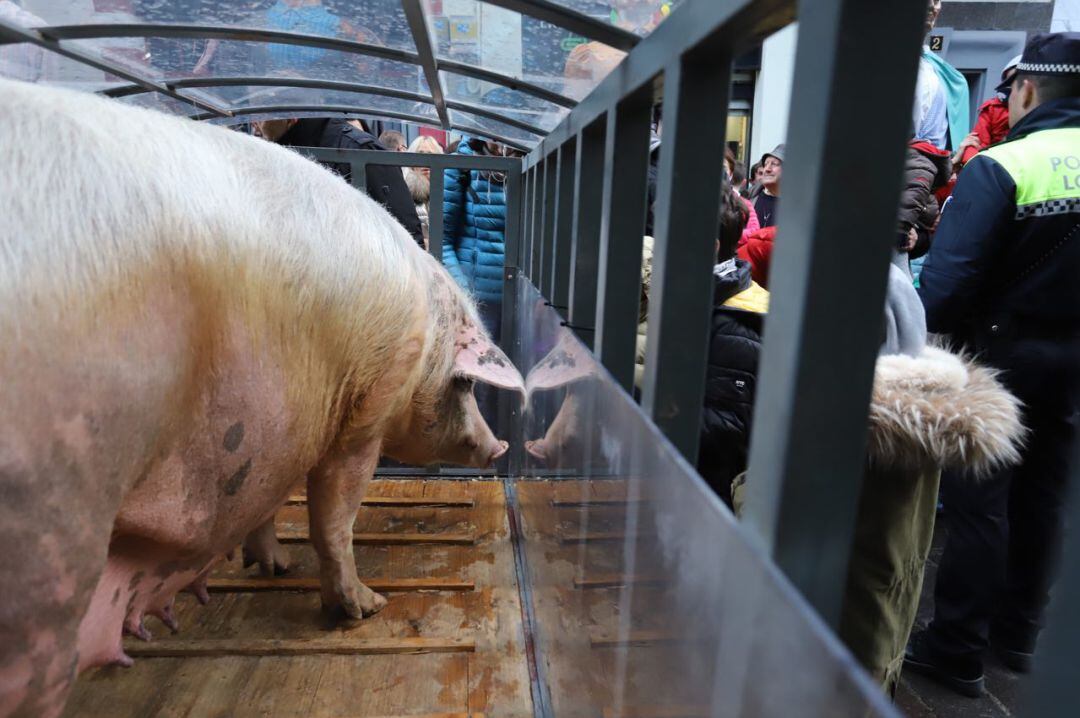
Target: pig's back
[138, 250]
[95, 192]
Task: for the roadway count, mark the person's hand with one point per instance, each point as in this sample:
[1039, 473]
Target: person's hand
[972, 140]
[912, 239]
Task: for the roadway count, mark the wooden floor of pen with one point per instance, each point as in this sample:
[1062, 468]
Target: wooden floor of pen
[450, 642]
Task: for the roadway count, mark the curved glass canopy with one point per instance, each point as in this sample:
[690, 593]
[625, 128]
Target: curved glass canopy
[507, 69]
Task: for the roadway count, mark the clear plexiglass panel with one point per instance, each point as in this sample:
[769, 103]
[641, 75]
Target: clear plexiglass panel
[502, 41]
[245, 96]
[172, 59]
[30, 63]
[463, 121]
[161, 103]
[646, 596]
[637, 16]
[515, 104]
[377, 22]
[179, 59]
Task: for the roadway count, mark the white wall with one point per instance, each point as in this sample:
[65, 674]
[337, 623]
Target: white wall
[772, 93]
[1066, 16]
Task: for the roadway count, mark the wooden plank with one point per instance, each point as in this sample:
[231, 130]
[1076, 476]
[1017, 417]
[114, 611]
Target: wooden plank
[575, 536]
[284, 647]
[671, 711]
[385, 585]
[610, 639]
[398, 501]
[301, 535]
[613, 580]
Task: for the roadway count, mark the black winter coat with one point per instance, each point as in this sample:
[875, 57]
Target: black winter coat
[926, 169]
[385, 183]
[731, 378]
[1002, 275]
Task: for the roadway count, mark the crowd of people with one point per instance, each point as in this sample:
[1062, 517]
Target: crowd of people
[988, 222]
[985, 255]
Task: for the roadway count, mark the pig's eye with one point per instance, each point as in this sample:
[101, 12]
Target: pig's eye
[463, 383]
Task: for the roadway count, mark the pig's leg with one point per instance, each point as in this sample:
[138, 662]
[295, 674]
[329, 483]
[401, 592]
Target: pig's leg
[261, 546]
[335, 490]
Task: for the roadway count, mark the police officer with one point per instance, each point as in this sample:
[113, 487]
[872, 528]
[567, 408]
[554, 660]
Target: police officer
[1003, 279]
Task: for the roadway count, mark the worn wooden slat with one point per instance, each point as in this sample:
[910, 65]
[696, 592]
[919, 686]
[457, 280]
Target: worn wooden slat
[301, 535]
[336, 645]
[611, 580]
[671, 711]
[385, 585]
[609, 639]
[576, 536]
[398, 501]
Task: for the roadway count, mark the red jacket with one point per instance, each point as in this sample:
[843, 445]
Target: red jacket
[991, 127]
[758, 251]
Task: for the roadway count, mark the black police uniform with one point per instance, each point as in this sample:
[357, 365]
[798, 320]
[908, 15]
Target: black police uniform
[1003, 278]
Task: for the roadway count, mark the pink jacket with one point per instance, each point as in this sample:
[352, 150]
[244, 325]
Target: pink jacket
[752, 223]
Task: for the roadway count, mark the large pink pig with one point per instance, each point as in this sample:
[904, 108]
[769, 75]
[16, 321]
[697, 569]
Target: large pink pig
[190, 319]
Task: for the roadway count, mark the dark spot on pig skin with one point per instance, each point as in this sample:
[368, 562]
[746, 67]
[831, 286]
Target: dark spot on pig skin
[490, 357]
[562, 359]
[116, 595]
[237, 480]
[234, 436]
[135, 580]
[158, 587]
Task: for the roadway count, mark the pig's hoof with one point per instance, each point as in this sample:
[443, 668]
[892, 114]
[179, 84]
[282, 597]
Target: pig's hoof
[272, 562]
[355, 604]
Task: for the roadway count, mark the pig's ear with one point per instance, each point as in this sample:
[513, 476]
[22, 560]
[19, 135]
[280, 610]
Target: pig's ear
[567, 363]
[477, 357]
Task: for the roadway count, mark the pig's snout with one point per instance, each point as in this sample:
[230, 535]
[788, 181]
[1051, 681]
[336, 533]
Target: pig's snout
[501, 448]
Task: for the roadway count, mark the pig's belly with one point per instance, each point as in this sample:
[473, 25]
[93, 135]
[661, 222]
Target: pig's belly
[205, 497]
[230, 464]
[229, 471]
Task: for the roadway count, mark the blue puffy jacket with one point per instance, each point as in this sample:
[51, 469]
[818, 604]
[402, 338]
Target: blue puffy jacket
[474, 216]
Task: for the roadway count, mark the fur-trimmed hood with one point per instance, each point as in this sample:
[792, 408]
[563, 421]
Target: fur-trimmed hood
[940, 409]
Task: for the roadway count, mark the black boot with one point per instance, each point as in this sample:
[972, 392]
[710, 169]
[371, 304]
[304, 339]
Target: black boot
[1014, 652]
[962, 674]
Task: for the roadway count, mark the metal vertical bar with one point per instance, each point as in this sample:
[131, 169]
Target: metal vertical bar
[530, 217]
[512, 230]
[564, 216]
[510, 418]
[696, 89]
[436, 220]
[547, 235]
[538, 222]
[524, 245]
[622, 225]
[358, 175]
[585, 243]
[414, 14]
[526, 223]
[828, 278]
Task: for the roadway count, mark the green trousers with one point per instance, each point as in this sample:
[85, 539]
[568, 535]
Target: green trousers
[893, 532]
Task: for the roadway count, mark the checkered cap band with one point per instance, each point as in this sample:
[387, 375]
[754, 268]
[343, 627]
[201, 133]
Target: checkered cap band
[1048, 69]
[1051, 206]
